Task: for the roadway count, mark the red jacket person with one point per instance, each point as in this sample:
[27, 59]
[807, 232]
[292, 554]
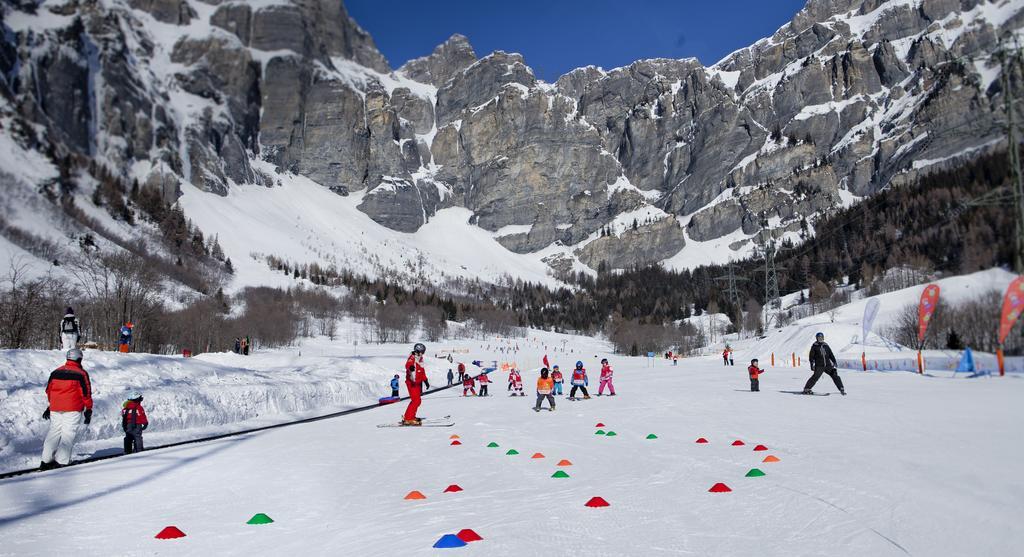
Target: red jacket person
[70, 396]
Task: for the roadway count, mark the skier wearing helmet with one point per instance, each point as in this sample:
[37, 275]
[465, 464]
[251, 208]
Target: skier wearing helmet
[606, 378]
[579, 381]
[822, 360]
[415, 381]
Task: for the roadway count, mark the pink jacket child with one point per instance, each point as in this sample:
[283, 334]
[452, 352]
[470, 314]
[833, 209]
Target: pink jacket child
[606, 379]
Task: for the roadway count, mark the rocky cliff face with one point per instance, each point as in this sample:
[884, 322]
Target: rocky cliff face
[847, 98]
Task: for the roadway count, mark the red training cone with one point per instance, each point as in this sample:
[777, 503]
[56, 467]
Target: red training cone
[169, 533]
[702, 440]
[468, 535]
[456, 442]
[452, 488]
[760, 448]
[597, 502]
[738, 443]
[599, 424]
[537, 455]
[719, 488]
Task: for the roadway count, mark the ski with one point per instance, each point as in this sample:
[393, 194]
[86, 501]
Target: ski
[805, 394]
[427, 422]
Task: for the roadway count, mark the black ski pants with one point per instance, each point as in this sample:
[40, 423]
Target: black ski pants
[572, 393]
[755, 385]
[831, 372]
[133, 439]
[483, 389]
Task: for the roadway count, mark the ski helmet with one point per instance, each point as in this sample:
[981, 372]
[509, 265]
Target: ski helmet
[419, 348]
[75, 355]
[604, 360]
[579, 364]
[135, 395]
[819, 335]
[396, 376]
[754, 361]
[554, 367]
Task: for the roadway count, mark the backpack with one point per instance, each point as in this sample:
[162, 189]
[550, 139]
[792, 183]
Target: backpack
[68, 325]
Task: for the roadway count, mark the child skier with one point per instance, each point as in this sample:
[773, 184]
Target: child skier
[579, 381]
[556, 376]
[754, 372]
[451, 376]
[133, 422]
[484, 381]
[517, 383]
[468, 386]
[725, 356]
[394, 386]
[606, 378]
[545, 385]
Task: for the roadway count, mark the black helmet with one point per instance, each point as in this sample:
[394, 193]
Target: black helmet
[604, 360]
[819, 334]
[419, 348]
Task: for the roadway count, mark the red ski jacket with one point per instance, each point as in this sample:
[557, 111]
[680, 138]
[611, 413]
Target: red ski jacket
[468, 381]
[462, 367]
[754, 371]
[68, 389]
[483, 378]
[414, 371]
[133, 413]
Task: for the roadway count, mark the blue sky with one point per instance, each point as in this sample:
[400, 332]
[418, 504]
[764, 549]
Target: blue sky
[556, 36]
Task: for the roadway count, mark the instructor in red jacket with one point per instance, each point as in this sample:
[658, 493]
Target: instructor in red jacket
[70, 395]
[415, 381]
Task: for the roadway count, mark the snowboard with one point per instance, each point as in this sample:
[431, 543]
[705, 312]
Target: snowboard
[805, 394]
[446, 421]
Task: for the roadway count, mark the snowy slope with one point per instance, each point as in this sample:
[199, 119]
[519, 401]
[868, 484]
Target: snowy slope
[337, 486]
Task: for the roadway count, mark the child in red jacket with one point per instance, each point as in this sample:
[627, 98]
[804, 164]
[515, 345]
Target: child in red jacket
[754, 372]
[468, 385]
[133, 422]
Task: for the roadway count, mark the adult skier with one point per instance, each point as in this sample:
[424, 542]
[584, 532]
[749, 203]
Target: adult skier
[415, 381]
[462, 371]
[822, 361]
[70, 396]
[70, 330]
[606, 378]
[133, 422]
[579, 381]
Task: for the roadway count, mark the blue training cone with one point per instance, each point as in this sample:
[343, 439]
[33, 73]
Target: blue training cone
[449, 540]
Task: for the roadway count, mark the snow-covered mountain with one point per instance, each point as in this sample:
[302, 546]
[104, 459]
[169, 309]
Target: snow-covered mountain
[282, 131]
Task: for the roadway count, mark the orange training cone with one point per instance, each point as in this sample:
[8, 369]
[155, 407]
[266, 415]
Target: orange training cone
[453, 436]
[537, 455]
[564, 462]
[415, 495]
[770, 458]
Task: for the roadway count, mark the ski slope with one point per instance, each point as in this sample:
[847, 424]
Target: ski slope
[905, 465]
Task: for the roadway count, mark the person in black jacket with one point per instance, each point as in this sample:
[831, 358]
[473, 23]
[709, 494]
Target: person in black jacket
[822, 361]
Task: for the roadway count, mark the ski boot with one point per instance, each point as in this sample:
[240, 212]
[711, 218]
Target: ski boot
[807, 392]
[842, 392]
[552, 409]
[535, 409]
[586, 397]
[412, 422]
[613, 394]
[571, 398]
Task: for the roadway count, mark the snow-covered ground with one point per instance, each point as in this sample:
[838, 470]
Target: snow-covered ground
[904, 465]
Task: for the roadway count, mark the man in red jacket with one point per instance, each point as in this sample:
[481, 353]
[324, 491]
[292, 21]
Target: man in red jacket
[70, 395]
[415, 380]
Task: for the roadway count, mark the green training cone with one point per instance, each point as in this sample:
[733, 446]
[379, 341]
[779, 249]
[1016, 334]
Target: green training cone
[512, 451]
[651, 436]
[260, 518]
[599, 432]
[560, 474]
[610, 434]
[492, 444]
[754, 473]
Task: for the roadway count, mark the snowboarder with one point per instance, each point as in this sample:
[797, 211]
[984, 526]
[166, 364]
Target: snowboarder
[822, 361]
[125, 338]
[451, 377]
[606, 379]
[754, 372]
[133, 422]
[545, 385]
[70, 330]
[415, 382]
[725, 356]
[394, 386]
[467, 386]
[579, 381]
[556, 376]
[484, 381]
[70, 396]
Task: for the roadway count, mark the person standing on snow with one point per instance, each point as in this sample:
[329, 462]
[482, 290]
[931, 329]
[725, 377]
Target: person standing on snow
[133, 422]
[606, 379]
[556, 377]
[467, 386]
[451, 377]
[545, 385]
[822, 360]
[70, 396]
[124, 340]
[579, 381]
[70, 330]
[517, 382]
[394, 386]
[754, 372]
[462, 371]
[484, 380]
[415, 381]
[725, 356]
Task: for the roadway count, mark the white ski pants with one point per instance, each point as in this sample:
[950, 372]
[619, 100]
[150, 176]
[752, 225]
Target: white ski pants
[61, 437]
[68, 341]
